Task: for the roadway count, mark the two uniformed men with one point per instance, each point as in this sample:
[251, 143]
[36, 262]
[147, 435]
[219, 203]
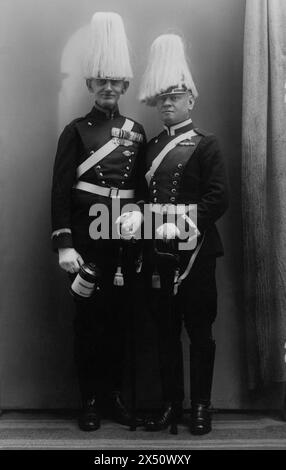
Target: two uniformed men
[100, 156]
[184, 167]
[97, 162]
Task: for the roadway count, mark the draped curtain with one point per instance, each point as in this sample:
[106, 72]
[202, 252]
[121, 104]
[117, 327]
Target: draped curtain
[264, 189]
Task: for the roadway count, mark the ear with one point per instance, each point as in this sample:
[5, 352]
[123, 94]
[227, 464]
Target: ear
[89, 85]
[125, 87]
[191, 102]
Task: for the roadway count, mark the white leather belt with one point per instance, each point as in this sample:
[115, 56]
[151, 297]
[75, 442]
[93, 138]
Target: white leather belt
[171, 208]
[102, 191]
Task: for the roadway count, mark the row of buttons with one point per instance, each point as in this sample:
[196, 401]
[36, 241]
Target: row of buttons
[126, 175]
[174, 182]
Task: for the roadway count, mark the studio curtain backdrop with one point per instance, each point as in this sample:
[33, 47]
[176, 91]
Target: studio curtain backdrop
[264, 189]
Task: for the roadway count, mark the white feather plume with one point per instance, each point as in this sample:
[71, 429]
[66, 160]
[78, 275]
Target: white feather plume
[107, 52]
[167, 67]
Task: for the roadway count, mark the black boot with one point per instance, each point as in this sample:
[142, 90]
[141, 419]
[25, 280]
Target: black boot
[201, 374]
[121, 414]
[170, 415]
[200, 419]
[89, 419]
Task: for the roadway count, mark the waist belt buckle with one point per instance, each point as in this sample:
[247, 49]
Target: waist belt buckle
[114, 193]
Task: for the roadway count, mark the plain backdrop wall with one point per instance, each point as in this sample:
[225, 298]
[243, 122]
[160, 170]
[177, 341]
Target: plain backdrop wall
[40, 92]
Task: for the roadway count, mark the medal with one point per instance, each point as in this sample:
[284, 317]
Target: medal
[126, 143]
[127, 153]
[127, 135]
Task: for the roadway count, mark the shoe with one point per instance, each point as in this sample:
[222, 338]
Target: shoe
[121, 414]
[89, 419]
[169, 417]
[200, 419]
[201, 374]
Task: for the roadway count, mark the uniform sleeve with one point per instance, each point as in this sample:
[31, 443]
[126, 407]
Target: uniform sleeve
[64, 173]
[214, 199]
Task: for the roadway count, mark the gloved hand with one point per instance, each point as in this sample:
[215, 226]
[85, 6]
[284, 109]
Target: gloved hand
[70, 260]
[168, 231]
[129, 223]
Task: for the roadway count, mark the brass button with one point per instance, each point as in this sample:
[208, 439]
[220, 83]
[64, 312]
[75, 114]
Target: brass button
[91, 152]
[180, 165]
[176, 175]
[103, 182]
[155, 199]
[128, 168]
[125, 175]
[154, 183]
[175, 183]
[173, 190]
[122, 182]
[98, 167]
[172, 199]
[154, 191]
[89, 123]
[100, 174]
[130, 160]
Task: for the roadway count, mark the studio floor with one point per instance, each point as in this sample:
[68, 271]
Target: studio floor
[58, 430]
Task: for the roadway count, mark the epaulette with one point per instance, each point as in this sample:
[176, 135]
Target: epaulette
[75, 121]
[201, 132]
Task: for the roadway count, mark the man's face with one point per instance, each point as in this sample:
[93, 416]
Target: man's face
[107, 91]
[174, 108]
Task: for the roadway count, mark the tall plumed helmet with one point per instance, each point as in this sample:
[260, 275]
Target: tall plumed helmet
[167, 70]
[107, 54]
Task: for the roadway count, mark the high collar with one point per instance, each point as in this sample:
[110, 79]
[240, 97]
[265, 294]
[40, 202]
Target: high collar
[102, 114]
[180, 128]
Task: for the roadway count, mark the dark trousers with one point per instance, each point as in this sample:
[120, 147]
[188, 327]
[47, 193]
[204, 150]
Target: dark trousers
[102, 322]
[196, 306]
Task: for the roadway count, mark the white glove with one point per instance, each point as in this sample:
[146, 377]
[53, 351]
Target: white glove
[129, 223]
[70, 260]
[168, 231]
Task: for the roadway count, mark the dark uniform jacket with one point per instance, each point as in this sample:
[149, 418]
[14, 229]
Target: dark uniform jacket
[119, 169]
[197, 179]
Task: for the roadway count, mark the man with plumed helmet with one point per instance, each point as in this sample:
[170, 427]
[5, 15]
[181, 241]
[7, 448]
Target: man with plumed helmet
[184, 168]
[97, 162]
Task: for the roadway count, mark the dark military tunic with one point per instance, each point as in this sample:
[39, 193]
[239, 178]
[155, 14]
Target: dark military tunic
[101, 322]
[199, 179]
[189, 174]
[119, 169]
